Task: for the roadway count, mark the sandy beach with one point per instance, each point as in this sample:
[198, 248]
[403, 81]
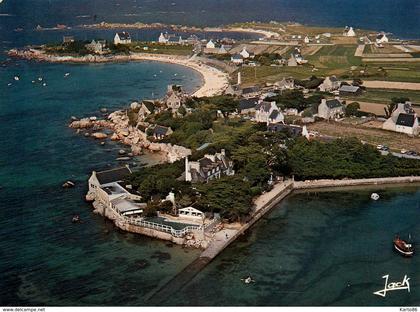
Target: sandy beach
[215, 81]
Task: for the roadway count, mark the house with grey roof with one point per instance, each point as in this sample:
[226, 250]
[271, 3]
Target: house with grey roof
[160, 132]
[208, 168]
[122, 38]
[237, 59]
[248, 106]
[330, 109]
[147, 108]
[403, 119]
[346, 90]
[268, 112]
[329, 84]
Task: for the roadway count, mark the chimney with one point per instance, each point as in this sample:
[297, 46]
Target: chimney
[324, 101]
[187, 170]
[239, 78]
[223, 152]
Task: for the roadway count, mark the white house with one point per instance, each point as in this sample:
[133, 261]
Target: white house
[210, 44]
[163, 38]
[403, 119]
[306, 40]
[329, 109]
[381, 38]
[285, 84]
[208, 168]
[122, 38]
[237, 59]
[191, 213]
[244, 53]
[349, 32]
[268, 112]
[106, 189]
[329, 84]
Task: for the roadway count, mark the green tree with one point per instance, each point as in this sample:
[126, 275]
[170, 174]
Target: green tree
[352, 109]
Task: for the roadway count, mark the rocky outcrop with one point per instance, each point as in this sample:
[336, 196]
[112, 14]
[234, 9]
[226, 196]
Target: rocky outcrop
[118, 122]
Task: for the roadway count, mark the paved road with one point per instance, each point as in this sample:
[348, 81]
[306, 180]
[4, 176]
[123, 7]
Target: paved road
[401, 155]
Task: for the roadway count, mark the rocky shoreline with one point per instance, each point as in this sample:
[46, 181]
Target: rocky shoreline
[118, 123]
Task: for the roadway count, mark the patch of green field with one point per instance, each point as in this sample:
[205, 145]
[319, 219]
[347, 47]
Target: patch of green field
[384, 96]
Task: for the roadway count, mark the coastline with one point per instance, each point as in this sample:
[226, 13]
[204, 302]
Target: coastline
[215, 81]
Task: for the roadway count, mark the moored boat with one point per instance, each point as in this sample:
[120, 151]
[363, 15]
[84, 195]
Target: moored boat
[403, 247]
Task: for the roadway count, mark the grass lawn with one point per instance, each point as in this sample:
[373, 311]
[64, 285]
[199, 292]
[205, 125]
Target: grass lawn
[384, 96]
[395, 141]
[176, 49]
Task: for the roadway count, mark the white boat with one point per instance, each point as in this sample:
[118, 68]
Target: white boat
[248, 280]
[44, 84]
[66, 74]
[374, 196]
[16, 78]
[40, 79]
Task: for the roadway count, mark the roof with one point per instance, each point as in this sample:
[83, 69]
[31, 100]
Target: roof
[333, 103]
[150, 105]
[173, 39]
[113, 175]
[264, 105]
[293, 130]
[347, 88]
[248, 103]
[406, 120]
[205, 145]
[124, 35]
[333, 79]
[160, 130]
[274, 114]
[237, 57]
[250, 90]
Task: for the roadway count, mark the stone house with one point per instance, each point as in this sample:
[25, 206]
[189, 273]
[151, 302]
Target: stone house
[403, 119]
[208, 168]
[268, 112]
[329, 84]
[210, 44]
[329, 109]
[174, 98]
[147, 108]
[122, 38]
[285, 84]
[96, 46]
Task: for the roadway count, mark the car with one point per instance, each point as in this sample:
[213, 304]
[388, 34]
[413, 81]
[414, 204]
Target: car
[385, 148]
[403, 151]
[412, 153]
[379, 146]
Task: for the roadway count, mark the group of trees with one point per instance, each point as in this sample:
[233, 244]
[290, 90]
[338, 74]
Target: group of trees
[345, 158]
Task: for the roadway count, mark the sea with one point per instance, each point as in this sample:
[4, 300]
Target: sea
[318, 248]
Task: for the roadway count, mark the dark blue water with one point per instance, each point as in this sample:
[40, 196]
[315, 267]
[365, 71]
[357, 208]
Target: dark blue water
[45, 258]
[318, 249]
[397, 16]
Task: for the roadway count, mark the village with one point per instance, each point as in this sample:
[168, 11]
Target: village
[295, 87]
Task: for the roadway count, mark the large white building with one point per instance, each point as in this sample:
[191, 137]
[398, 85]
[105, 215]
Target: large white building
[329, 109]
[122, 38]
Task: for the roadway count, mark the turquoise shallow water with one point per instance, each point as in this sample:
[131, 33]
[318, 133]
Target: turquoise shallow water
[317, 249]
[47, 260]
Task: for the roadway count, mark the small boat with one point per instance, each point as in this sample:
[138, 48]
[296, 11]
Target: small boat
[66, 74]
[75, 219]
[39, 78]
[44, 84]
[248, 280]
[374, 196]
[16, 78]
[403, 247]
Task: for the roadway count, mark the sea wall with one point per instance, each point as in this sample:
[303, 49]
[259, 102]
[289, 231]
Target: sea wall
[313, 184]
